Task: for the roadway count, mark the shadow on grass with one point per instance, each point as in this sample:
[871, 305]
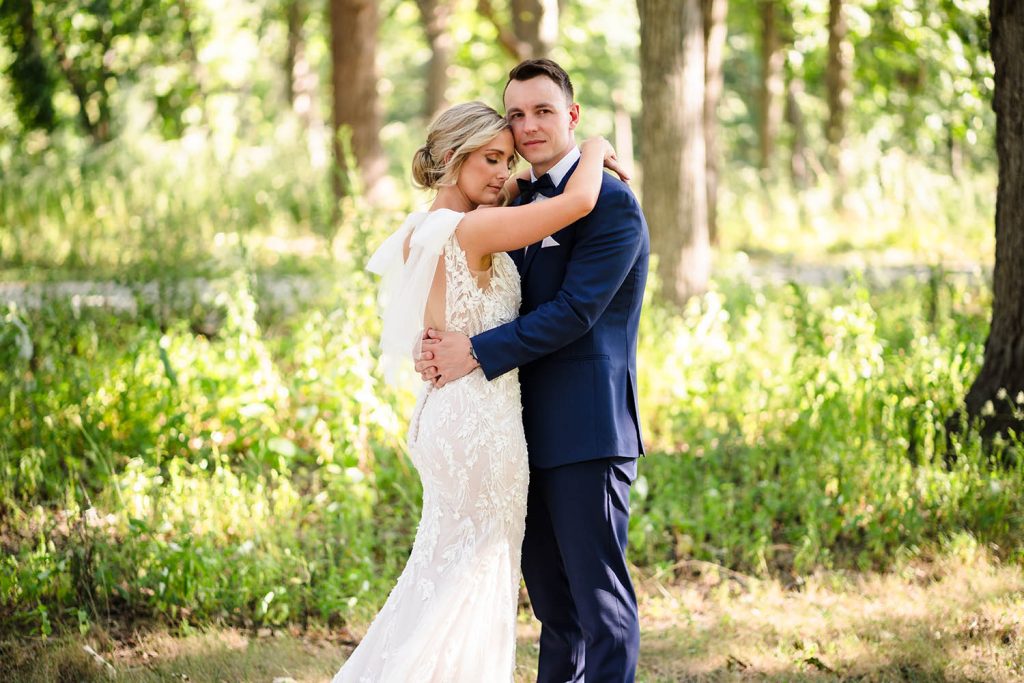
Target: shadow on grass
[213, 656]
[222, 658]
[957, 623]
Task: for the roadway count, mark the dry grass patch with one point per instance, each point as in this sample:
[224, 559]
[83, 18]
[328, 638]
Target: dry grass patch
[954, 620]
[951, 620]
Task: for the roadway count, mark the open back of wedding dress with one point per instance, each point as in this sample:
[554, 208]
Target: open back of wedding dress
[451, 616]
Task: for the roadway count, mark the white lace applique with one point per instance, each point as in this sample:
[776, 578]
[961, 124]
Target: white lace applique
[451, 616]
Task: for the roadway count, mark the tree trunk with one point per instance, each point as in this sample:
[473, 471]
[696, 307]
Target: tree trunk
[837, 81]
[795, 119]
[714, 12]
[674, 187]
[354, 80]
[1001, 380]
[773, 58]
[96, 126]
[436, 16]
[535, 22]
[295, 14]
[534, 29]
[32, 84]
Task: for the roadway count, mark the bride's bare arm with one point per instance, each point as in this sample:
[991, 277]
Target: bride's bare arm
[508, 228]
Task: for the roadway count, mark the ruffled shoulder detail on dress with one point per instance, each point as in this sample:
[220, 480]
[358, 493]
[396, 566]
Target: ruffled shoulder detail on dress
[406, 283]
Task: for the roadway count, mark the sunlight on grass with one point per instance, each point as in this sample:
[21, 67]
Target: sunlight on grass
[954, 618]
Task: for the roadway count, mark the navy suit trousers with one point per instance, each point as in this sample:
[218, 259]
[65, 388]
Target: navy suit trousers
[574, 563]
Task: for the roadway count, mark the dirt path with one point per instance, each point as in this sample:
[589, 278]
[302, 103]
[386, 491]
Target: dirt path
[286, 293]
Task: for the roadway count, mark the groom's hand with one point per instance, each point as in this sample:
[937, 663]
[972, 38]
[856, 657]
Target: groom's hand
[444, 357]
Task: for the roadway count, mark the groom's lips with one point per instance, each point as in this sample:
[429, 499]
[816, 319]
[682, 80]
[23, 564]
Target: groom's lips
[529, 143]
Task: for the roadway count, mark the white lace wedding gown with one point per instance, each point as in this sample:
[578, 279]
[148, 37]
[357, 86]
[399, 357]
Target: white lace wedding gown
[451, 616]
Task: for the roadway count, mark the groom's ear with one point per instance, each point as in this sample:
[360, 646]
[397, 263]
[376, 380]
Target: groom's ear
[574, 115]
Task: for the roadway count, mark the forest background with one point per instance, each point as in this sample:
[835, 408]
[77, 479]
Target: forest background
[192, 429]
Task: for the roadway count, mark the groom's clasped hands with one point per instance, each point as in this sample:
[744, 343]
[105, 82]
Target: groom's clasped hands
[443, 357]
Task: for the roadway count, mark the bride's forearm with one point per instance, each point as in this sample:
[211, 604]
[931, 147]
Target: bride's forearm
[586, 181]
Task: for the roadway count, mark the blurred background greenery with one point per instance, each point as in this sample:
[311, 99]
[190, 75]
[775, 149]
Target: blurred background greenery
[191, 424]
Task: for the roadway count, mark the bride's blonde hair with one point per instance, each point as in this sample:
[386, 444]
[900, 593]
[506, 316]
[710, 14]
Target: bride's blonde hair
[462, 130]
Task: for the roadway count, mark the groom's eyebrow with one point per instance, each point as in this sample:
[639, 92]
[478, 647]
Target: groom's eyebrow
[539, 105]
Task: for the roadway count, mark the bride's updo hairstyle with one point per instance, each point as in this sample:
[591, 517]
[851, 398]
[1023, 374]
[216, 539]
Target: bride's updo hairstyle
[462, 130]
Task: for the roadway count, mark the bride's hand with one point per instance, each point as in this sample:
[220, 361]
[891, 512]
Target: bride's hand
[611, 161]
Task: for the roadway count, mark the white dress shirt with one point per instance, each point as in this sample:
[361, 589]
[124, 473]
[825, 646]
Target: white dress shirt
[557, 174]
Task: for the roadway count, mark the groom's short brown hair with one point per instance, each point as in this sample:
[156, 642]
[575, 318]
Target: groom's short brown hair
[531, 68]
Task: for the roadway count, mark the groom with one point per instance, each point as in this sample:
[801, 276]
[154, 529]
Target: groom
[575, 345]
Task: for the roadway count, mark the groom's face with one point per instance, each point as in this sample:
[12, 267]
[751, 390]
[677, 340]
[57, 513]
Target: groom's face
[542, 121]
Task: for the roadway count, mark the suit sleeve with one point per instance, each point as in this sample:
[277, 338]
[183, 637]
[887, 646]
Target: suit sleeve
[604, 252]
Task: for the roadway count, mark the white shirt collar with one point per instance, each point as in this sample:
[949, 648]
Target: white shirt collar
[559, 170]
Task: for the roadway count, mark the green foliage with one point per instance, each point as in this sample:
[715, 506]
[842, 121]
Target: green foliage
[927, 75]
[149, 208]
[803, 426]
[255, 473]
[195, 479]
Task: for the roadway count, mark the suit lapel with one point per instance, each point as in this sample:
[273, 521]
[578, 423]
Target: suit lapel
[531, 252]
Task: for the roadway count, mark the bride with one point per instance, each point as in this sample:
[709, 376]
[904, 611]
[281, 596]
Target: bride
[451, 616]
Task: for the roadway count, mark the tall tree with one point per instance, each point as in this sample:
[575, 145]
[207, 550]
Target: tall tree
[84, 40]
[839, 96]
[536, 23]
[355, 104]
[674, 187]
[773, 59]
[295, 16]
[1000, 383]
[533, 30]
[31, 80]
[715, 12]
[436, 17]
[798, 158]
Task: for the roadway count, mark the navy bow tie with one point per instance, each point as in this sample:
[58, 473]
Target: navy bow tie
[527, 190]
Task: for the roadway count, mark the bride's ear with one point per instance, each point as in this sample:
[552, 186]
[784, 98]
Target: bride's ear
[448, 156]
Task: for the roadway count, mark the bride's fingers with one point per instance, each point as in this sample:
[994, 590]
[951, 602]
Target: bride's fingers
[617, 168]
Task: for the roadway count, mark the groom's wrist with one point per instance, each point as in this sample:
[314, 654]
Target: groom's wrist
[472, 354]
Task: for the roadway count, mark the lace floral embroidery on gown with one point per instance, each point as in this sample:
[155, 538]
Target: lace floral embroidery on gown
[451, 616]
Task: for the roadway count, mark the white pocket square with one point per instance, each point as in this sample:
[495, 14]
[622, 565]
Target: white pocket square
[549, 242]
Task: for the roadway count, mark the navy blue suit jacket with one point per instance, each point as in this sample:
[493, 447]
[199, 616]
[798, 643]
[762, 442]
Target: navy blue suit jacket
[576, 338]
